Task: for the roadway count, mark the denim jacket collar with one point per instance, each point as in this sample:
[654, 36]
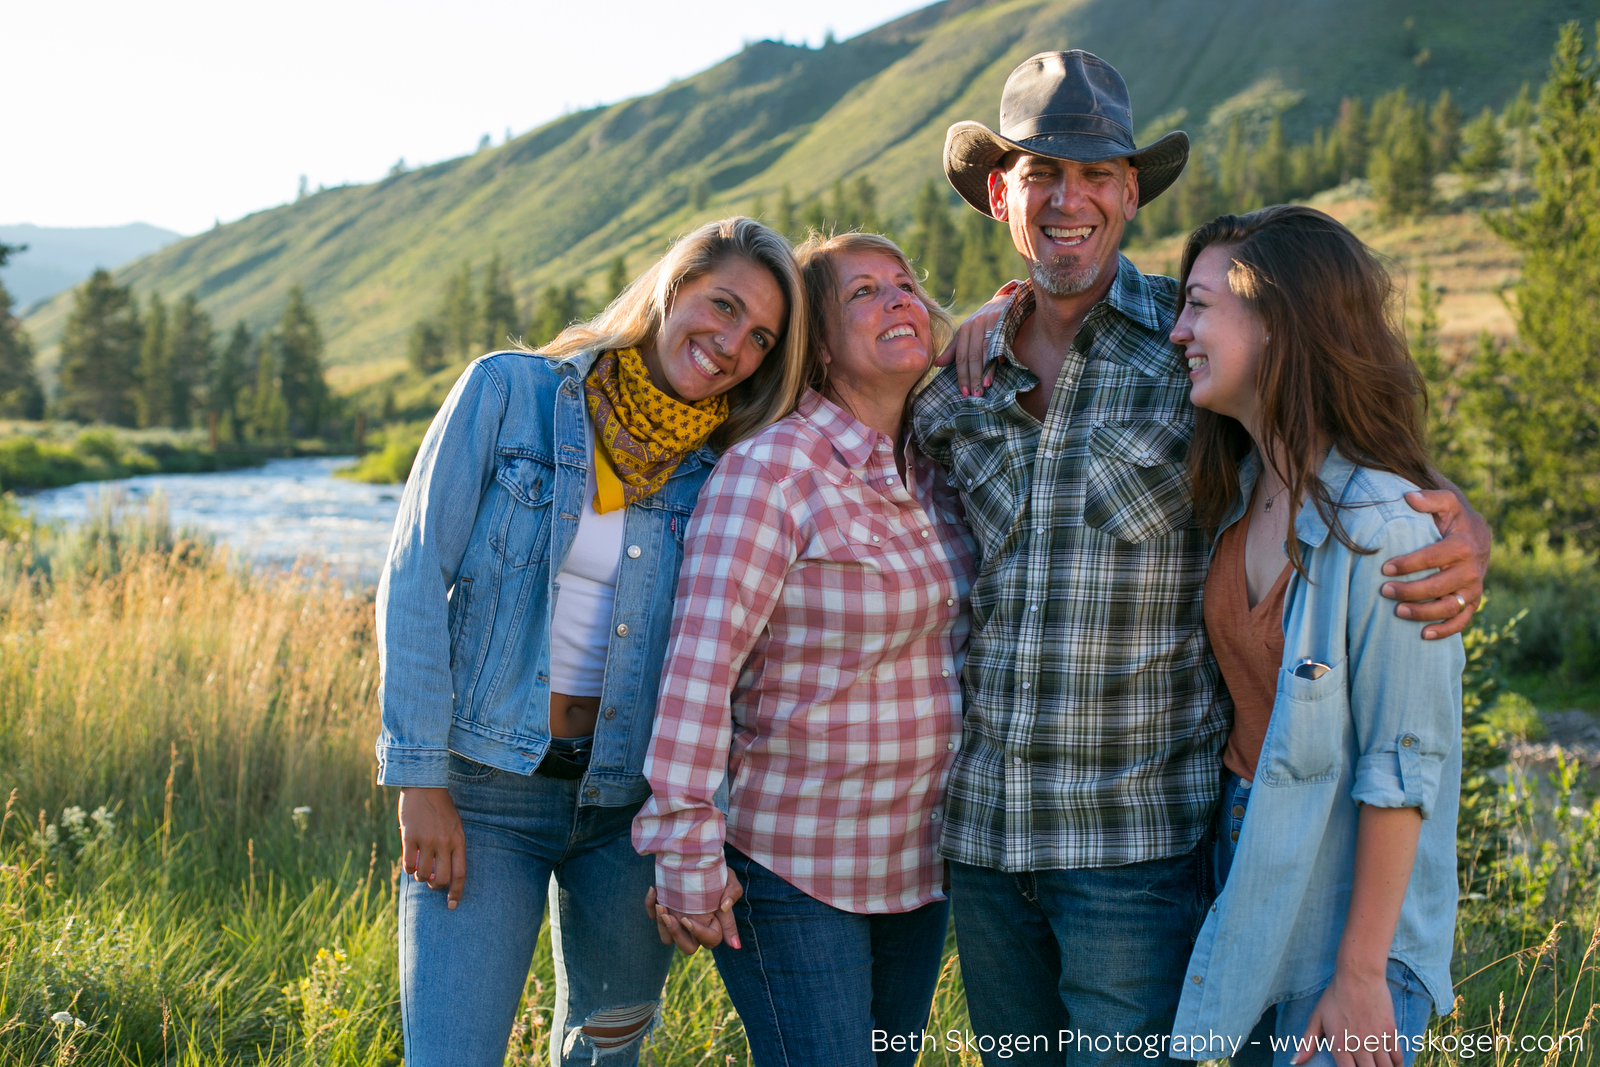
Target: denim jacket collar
[578, 365]
[1310, 528]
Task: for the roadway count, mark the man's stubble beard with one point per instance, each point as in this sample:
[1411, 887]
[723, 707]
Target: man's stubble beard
[1058, 279]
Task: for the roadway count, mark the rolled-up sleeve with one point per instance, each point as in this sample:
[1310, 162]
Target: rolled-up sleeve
[437, 512]
[739, 548]
[1405, 693]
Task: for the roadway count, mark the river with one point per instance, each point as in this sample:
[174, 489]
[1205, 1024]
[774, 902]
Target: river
[284, 511]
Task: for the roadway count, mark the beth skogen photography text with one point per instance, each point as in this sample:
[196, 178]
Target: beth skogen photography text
[845, 534]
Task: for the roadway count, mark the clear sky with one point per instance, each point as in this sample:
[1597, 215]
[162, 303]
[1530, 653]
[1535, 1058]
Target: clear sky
[181, 112]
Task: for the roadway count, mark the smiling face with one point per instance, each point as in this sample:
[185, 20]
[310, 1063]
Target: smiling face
[1066, 218]
[879, 343]
[716, 331]
[1223, 338]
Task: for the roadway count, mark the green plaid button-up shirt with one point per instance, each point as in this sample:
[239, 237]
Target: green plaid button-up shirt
[1095, 712]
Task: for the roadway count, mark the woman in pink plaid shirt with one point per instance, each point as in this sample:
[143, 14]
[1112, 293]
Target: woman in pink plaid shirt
[813, 681]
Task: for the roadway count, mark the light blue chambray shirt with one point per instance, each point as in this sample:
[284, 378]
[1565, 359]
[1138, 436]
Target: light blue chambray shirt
[1383, 727]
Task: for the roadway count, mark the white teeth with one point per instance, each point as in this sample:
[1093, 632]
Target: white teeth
[1196, 362]
[703, 361]
[898, 331]
[1060, 233]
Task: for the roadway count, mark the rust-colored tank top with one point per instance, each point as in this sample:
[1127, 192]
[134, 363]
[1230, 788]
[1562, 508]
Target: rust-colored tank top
[1248, 643]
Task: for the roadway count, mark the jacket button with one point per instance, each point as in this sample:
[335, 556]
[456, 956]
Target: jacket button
[591, 793]
[633, 551]
[1238, 811]
[1233, 836]
[611, 713]
[622, 629]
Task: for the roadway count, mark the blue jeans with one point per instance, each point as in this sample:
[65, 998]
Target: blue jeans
[815, 985]
[462, 972]
[1080, 966]
[1271, 1042]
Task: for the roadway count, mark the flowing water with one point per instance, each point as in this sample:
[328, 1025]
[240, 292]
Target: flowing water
[284, 511]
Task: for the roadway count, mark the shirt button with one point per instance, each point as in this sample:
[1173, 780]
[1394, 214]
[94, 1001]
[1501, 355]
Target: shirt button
[1024, 685]
[969, 483]
[622, 629]
[944, 674]
[1405, 742]
[1195, 978]
[611, 713]
[1017, 760]
[1047, 454]
[933, 816]
[1039, 530]
[951, 747]
[634, 551]
[949, 602]
[876, 538]
[1033, 607]
[890, 478]
[924, 533]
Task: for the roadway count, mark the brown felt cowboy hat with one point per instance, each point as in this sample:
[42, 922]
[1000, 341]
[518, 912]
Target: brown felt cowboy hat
[1066, 105]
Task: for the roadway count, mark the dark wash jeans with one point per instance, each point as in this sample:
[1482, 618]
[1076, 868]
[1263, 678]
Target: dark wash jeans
[811, 982]
[1092, 959]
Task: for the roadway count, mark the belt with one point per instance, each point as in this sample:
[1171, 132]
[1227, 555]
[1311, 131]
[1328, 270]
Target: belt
[567, 758]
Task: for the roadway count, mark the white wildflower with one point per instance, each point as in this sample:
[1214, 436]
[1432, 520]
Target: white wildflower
[105, 822]
[75, 821]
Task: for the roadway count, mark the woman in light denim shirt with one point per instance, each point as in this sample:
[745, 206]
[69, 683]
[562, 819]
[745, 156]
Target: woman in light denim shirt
[573, 469]
[1332, 934]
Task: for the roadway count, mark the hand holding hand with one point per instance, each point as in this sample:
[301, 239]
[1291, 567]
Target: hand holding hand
[691, 932]
[432, 840]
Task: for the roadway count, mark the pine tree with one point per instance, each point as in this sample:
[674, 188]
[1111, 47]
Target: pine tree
[864, 196]
[155, 375]
[617, 275]
[20, 394]
[501, 322]
[1552, 430]
[1200, 197]
[1233, 168]
[977, 273]
[1517, 118]
[557, 308]
[297, 350]
[191, 352]
[1272, 165]
[1400, 164]
[935, 245]
[1348, 144]
[1444, 123]
[230, 377]
[839, 210]
[460, 315]
[785, 221]
[100, 353]
[1483, 146]
[269, 413]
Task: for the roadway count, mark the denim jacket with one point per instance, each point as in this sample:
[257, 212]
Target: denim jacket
[464, 605]
[1383, 727]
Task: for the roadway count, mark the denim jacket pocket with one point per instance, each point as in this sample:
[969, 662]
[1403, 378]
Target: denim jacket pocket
[1306, 737]
[460, 601]
[522, 532]
[1137, 480]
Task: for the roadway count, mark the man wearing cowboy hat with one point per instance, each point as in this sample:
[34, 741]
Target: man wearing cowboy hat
[1095, 712]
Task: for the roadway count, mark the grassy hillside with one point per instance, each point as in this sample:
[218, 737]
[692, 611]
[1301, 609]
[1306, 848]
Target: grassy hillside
[560, 201]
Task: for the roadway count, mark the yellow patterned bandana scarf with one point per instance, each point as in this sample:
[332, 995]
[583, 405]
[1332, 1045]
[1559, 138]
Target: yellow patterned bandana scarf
[640, 432]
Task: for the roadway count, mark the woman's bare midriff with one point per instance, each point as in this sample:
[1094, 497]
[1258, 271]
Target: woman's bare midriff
[573, 716]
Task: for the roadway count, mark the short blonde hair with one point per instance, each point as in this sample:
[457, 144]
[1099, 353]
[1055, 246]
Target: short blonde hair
[818, 258]
[634, 318]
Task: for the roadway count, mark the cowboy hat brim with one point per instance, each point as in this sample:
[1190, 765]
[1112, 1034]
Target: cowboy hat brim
[972, 150]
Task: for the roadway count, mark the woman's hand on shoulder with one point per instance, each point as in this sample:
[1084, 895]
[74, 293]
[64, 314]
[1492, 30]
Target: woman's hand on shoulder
[692, 932]
[969, 349]
[432, 840]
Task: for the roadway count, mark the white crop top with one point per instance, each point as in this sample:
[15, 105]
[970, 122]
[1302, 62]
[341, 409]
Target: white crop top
[580, 623]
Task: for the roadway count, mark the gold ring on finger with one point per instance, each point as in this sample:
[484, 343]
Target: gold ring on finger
[1462, 601]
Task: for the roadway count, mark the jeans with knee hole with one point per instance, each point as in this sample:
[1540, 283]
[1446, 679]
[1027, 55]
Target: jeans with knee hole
[462, 971]
[1091, 959]
[1271, 1042]
[811, 982]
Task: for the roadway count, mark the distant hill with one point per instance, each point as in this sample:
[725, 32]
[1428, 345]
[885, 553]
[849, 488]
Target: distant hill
[561, 200]
[59, 258]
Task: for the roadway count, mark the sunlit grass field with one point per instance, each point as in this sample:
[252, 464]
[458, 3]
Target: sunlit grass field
[196, 867]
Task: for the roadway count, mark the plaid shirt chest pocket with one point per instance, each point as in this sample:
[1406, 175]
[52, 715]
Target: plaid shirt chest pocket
[1137, 479]
[984, 471]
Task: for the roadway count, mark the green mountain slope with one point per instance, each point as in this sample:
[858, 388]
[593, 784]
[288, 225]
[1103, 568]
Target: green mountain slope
[563, 199]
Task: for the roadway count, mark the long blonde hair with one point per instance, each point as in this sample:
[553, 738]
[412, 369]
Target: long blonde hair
[634, 318]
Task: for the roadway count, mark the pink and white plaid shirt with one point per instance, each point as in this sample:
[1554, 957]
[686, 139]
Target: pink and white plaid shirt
[817, 642]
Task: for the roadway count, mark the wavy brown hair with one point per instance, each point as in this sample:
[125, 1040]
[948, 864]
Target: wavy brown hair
[1336, 368]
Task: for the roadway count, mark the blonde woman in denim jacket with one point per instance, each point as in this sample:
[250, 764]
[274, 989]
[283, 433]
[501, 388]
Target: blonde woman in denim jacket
[1331, 937]
[523, 615]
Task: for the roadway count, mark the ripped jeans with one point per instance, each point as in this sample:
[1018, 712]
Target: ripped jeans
[462, 971]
